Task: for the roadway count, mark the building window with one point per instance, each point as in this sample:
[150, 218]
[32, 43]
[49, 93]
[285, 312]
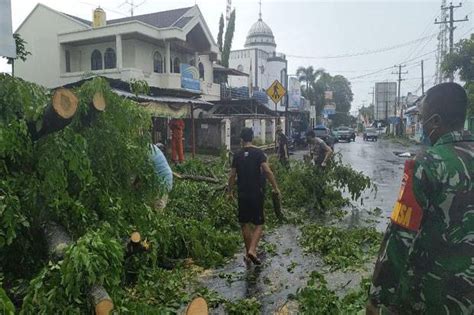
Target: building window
[68, 61]
[110, 60]
[176, 65]
[96, 60]
[240, 68]
[157, 62]
[201, 71]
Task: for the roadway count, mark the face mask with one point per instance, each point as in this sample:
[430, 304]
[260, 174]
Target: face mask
[425, 138]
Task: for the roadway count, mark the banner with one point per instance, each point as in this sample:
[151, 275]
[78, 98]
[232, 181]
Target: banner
[7, 43]
[190, 78]
[294, 93]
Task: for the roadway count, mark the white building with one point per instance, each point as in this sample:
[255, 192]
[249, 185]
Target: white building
[151, 47]
[261, 61]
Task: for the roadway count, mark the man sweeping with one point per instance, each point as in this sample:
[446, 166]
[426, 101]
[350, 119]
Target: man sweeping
[250, 168]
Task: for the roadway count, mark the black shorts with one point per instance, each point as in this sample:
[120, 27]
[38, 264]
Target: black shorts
[251, 210]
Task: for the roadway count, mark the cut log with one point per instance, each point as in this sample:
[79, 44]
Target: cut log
[198, 306]
[135, 244]
[57, 115]
[98, 102]
[101, 299]
[197, 178]
[96, 106]
[58, 240]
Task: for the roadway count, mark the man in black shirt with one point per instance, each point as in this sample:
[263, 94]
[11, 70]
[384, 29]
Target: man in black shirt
[282, 147]
[250, 167]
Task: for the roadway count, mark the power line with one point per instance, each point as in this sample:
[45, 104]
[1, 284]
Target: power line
[367, 52]
[391, 67]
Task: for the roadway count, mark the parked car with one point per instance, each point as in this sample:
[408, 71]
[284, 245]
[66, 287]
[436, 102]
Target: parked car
[326, 135]
[370, 134]
[345, 134]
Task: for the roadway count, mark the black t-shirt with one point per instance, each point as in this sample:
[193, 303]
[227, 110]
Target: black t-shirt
[250, 178]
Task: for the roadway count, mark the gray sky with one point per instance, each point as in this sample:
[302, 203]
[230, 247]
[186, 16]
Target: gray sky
[315, 29]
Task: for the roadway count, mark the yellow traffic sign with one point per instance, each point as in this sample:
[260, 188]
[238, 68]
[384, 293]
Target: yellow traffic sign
[276, 91]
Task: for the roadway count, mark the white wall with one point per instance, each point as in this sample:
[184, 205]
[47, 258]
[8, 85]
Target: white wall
[40, 32]
[240, 57]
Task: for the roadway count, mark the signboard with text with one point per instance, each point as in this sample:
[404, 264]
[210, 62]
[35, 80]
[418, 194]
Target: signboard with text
[7, 43]
[294, 93]
[190, 78]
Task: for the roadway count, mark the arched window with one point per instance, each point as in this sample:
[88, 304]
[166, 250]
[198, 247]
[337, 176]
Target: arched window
[201, 71]
[157, 62]
[96, 60]
[176, 65]
[240, 68]
[110, 60]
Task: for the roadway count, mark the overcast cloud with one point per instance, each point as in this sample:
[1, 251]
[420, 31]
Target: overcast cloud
[315, 29]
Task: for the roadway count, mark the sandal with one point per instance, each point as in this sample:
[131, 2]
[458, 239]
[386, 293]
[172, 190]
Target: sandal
[247, 260]
[254, 259]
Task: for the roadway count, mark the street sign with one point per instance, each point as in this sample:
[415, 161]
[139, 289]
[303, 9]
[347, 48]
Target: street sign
[276, 91]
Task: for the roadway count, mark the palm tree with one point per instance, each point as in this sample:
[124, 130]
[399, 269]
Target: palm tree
[308, 76]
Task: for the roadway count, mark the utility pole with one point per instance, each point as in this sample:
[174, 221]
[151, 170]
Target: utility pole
[373, 101]
[373, 96]
[399, 105]
[451, 27]
[422, 79]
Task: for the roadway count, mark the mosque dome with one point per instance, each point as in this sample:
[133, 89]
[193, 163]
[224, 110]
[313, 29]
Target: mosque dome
[260, 34]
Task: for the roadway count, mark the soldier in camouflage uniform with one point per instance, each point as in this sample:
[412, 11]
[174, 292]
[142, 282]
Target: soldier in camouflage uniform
[426, 261]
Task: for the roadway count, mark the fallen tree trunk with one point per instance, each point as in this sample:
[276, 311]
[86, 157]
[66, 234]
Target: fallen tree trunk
[197, 178]
[57, 115]
[58, 240]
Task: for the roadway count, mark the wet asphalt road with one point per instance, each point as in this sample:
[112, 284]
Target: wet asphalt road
[286, 267]
[378, 161]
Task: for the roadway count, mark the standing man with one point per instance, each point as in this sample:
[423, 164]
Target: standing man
[250, 167]
[282, 147]
[426, 261]
[319, 151]
[177, 130]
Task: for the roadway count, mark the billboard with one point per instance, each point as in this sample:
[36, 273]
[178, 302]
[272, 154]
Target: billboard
[328, 95]
[190, 78]
[7, 43]
[385, 100]
[294, 93]
[329, 109]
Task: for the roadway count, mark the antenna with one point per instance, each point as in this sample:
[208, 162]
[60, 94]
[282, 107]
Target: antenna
[132, 5]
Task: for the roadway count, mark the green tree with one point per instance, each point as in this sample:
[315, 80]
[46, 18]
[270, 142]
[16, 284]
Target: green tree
[342, 93]
[308, 76]
[229, 36]
[462, 61]
[221, 32]
[21, 52]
